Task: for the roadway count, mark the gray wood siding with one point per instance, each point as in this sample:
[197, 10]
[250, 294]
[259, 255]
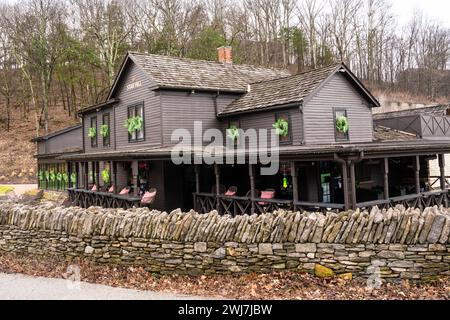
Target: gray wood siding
[152, 110]
[87, 125]
[182, 109]
[265, 120]
[319, 115]
[59, 143]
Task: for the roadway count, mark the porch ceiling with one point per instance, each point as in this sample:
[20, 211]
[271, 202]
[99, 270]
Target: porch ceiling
[305, 153]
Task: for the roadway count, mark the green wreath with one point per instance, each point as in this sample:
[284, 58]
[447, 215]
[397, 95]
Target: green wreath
[73, 178]
[104, 130]
[342, 124]
[105, 176]
[134, 124]
[282, 127]
[233, 132]
[41, 175]
[92, 133]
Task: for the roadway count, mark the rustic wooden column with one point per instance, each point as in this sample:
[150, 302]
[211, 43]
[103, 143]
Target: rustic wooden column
[353, 184]
[69, 172]
[97, 173]
[294, 175]
[114, 171]
[345, 185]
[134, 174]
[442, 170]
[251, 171]
[217, 175]
[86, 175]
[197, 185]
[386, 178]
[417, 173]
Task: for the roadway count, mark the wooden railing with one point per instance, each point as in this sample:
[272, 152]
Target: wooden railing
[234, 205]
[422, 200]
[85, 199]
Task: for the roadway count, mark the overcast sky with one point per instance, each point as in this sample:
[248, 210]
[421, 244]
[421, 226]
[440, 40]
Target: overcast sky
[436, 9]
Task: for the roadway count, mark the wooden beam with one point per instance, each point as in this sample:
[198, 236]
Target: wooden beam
[217, 175]
[114, 174]
[442, 170]
[345, 185]
[69, 173]
[197, 178]
[386, 178]
[134, 174]
[353, 184]
[86, 175]
[294, 174]
[251, 172]
[417, 173]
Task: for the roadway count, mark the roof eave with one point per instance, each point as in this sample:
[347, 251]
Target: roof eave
[292, 104]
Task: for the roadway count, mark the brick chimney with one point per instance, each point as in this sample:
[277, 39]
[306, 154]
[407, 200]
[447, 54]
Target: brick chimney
[225, 54]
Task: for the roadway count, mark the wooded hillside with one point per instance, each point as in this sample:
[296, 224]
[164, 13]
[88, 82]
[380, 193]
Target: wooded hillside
[64, 54]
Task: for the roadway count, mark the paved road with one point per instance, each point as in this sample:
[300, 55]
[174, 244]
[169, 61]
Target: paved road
[18, 286]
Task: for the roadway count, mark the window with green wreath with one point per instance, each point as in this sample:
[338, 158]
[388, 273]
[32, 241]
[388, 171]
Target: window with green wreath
[105, 129]
[135, 123]
[92, 132]
[282, 125]
[341, 125]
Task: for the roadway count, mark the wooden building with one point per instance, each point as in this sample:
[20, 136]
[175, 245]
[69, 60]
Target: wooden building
[332, 155]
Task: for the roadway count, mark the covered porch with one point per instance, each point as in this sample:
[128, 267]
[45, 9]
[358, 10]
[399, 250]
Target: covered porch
[334, 184]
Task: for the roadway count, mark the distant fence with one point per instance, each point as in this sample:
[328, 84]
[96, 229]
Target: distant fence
[402, 243]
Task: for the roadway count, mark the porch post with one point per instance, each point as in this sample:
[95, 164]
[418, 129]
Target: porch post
[442, 170]
[345, 186]
[86, 175]
[386, 178]
[97, 173]
[353, 184]
[69, 172]
[417, 173]
[294, 175]
[134, 173]
[217, 175]
[251, 171]
[114, 170]
[197, 185]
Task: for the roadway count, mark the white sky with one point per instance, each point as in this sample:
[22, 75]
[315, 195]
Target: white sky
[434, 9]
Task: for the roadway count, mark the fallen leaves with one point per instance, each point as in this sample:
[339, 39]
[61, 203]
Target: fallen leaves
[277, 285]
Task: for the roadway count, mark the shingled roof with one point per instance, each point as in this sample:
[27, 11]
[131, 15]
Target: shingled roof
[182, 73]
[287, 90]
[385, 134]
[437, 110]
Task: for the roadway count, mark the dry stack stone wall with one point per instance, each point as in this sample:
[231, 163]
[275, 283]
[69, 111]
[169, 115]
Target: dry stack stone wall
[396, 243]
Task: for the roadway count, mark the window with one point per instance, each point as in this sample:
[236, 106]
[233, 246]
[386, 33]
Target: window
[285, 139]
[341, 125]
[93, 132]
[105, 122]
[134, 112]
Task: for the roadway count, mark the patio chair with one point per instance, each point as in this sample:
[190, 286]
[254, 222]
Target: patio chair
[267, 194]
[125, 191]
[94, 188]
[222, 189]
[148, 198]
[112, 189]
[231, 191]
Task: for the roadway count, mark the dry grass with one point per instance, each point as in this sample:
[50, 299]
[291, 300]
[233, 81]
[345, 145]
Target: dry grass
[277, 285]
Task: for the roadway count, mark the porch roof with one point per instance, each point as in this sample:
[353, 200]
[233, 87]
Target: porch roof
[304, 152]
